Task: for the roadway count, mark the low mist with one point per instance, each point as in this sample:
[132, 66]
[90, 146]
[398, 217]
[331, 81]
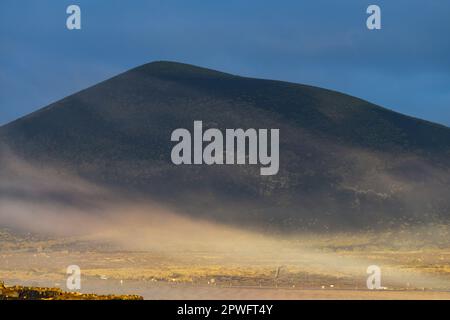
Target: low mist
[56, 203]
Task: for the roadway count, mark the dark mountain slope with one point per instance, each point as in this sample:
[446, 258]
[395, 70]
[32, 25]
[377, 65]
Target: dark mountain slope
[344, 163]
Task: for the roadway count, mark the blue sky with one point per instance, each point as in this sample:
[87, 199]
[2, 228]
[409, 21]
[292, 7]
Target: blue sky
[404, 67]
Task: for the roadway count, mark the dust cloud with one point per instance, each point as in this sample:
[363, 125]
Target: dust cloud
[54, 202]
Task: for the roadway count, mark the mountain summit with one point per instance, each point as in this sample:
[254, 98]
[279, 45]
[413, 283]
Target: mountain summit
[344, 163]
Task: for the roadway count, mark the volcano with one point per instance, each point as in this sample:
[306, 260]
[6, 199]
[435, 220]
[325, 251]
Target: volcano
[344, 163]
